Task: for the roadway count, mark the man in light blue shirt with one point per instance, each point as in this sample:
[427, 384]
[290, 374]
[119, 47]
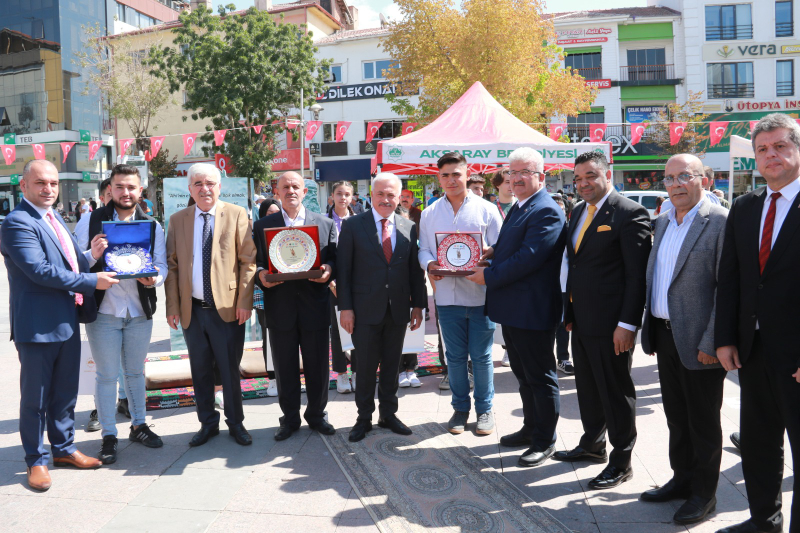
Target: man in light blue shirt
[466, 330]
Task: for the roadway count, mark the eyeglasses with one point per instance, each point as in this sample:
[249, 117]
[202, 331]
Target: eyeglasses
[523, 173]
[682, 179]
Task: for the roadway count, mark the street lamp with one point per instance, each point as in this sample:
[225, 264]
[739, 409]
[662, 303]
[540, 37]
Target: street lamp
[315, 109]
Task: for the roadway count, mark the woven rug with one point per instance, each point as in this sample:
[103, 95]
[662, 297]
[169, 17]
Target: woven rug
[428, 480]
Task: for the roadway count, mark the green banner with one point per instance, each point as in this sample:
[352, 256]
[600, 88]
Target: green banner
[9, 138]
[87, 176]
[86, 136]
[14, 179]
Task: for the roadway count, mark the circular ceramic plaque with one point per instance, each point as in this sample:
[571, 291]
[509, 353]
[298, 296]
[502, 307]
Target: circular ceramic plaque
[128, 259]
[459, 251]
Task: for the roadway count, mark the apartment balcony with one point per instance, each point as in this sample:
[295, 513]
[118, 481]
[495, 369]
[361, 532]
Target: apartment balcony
[731, 90]
[729, 32]
[636, 75]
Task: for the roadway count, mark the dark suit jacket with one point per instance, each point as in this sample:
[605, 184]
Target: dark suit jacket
[40, 279]
[745, 296]
[607, 276]
[302, 300]
[366, 283]
[523, 288]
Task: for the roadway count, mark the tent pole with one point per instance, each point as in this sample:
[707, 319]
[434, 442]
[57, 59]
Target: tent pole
[730, 183]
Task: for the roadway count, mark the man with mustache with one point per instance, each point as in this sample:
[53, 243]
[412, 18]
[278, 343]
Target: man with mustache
[407, 200]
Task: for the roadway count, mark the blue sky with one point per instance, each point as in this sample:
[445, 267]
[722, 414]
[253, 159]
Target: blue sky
[369, 9]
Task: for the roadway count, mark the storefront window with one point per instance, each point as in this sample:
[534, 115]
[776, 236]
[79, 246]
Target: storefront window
[643, 180]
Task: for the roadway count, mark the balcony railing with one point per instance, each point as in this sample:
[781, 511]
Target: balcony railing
[729, 33]
[784, 88]
[584, 130]
[731, 90]
[647, 72]
[784, 29]
[593, 73]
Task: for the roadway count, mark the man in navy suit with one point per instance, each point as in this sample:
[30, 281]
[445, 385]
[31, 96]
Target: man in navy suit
[51, 291]
[524, 296]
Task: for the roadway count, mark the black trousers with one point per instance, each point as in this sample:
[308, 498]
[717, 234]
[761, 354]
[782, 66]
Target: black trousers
[562, 335]
[339, 360]
[606, 396]
[212, 342]
[770, 405]
[409, 361]
[286, 348]
[530, 353]
[692, 401]
[379, 344]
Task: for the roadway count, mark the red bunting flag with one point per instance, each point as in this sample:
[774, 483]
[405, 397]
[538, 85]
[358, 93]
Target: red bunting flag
[9, 153]
[242, 122]
[753, 125]
[258, 129]
[38, 151]
[292, 123]
[94, 147]
[408, 127]
[155, 145]
[124, 144]
[188, 142]
[676, 131]
[219, 137]
[630, 180]
[223, 163]
[637, 181]
[372, 130]
[717, 131]
[65, 149]
[556, 130]
[597, 132]
[341, 129]
[313, 127]
[637, 130]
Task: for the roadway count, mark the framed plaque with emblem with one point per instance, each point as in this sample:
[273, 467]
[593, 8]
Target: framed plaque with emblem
[293, 253]
[130, 248]
[458, 253]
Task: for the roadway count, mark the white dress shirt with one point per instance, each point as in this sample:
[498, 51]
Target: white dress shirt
[782, 206]
[81, 232]
[299, 220]
[197, 260]
[668, 250]
[475, 215]
[390, 224]
[57, 230]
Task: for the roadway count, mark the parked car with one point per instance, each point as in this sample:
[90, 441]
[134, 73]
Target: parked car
[646, 198]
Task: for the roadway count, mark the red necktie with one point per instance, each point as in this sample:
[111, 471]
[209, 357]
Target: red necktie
[766, 234]
[62, 240]
[386, 240]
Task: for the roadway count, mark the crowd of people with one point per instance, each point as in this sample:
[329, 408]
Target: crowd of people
[712, 291]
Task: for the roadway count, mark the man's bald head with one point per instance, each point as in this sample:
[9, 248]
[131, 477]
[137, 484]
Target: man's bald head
[290, 174]
[38, 165]
[39, 183]
[692, 161]
[292, 190]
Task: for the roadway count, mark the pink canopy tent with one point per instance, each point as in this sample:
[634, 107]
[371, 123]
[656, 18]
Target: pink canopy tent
[477, 126]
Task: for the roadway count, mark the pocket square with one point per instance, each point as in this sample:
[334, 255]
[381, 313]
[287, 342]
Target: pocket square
[603, 228]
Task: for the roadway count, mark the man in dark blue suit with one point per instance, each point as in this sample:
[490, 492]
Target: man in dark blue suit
[51, 291]
[524, 296]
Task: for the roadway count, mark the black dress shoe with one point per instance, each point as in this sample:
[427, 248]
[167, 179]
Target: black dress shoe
[579, 454]
[671, 490]
[736, 440]
[240, 434]
[393, 423]
[694, 510]
[284, 432]
[360, 430]
[205, 433]
[610, 477]
[750, 527]
[518, 438]
[324, 427]
[535, 457]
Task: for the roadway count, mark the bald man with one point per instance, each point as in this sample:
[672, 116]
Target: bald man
[679, 330]
[297, 313]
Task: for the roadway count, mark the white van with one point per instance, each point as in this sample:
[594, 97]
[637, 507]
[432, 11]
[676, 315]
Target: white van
[646, 198]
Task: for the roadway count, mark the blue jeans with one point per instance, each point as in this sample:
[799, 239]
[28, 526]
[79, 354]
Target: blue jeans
[467, 331]
[114, 342]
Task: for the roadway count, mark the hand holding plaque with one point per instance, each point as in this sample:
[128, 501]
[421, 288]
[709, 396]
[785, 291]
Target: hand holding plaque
[457, 253]
[293, 253]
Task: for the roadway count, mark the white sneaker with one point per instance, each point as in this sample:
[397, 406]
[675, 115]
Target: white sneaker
[272, 389]
[343, 384]
[506, 362]
[404, 382]
[412, 378]
[302, 388]
[218, 400]
[353, 382]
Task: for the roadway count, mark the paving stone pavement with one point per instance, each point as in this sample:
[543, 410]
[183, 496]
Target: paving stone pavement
[296, 485]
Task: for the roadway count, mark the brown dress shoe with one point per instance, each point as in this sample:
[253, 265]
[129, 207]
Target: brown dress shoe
[78, 460]
[39, 478]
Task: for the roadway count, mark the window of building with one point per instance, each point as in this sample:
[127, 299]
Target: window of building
[329, 132]
[388, 130]
[581, 124]
[334, 74]
[730, 80]
[729, 22]
[784, 23]
[784, 78]
[648, 64]
[588, 65]
[376, 70]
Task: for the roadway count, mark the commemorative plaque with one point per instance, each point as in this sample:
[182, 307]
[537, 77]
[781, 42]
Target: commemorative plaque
[130, 248]
[458, 253]
[293, 253]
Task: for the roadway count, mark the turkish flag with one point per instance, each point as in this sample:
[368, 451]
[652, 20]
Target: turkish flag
[292, 123]
[408, 127]
[38, 151]
[313, 127]
[717, 132]
[753, 124]
[242, 122]
[258, 129]
[223, 162]
[124, 144]
[597, 132]
[155, 145]
[188, 142]
[341, 129]
[9, 153]
[94, 147]
[637, 129]
[147, 156]
[556, 130]
[372, 130]
[65, 148]
[219, 137]
[675, 132]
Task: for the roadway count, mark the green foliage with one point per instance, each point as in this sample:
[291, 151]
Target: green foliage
[241, 67]
[161, 166]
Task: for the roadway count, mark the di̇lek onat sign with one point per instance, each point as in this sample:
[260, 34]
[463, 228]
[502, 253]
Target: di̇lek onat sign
[357, 92]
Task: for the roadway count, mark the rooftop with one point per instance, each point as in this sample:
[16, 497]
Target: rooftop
[353, 34]
[648, 12]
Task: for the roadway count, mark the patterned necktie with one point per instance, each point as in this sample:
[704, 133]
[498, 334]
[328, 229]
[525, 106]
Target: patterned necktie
[386, 240]
[65, 249]
[208, 296]
[766, 234]
[586, 223]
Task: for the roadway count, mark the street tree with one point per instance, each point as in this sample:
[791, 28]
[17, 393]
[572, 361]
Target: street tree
[694, 136]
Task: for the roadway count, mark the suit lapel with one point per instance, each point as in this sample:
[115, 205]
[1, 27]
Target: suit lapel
[49, 232]
[219, 222]
[188, 237]
[600, 216]
[788, 229]
[698, 225]
[753, 227]
[371, 229]
[403, 232]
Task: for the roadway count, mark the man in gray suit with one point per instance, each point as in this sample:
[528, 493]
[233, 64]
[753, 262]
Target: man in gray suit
[679, 328]
[378, 281]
